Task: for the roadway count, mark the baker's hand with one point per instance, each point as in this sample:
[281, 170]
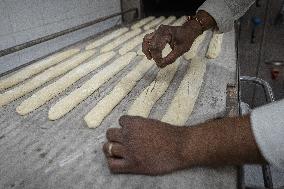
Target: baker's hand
[180, 38]
[144, 146]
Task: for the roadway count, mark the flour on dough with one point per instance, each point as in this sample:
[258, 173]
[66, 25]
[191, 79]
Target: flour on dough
[186, 95]
[122, 39]
[44, 77]
[47, 93]
[36, 68]
[142, 22]
[215, 45]
[106, 38]
[154, 23]
[104, 107]
[70, 101]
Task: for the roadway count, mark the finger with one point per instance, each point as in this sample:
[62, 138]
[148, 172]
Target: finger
[125, 120]
[170, 58]
[114, 135]
[112, 149]
[118, 165]
[146, 45]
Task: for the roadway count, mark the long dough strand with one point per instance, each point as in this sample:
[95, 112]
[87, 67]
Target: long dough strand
[146, 100]
[47, 93]
[183, 102]
[106, 38]
[104, 107]
[154, 23]
[36, 68]
[69, 102]
[168, 21]
[215, 45]
[44, 77]
[133, 43]
[142, 22]
[125, 37]
[195, 47]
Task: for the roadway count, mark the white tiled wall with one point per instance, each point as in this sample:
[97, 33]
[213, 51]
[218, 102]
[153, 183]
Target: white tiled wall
[24, 20]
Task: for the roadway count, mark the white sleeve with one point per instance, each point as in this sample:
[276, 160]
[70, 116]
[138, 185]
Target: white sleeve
[268, 128]
[225, 12]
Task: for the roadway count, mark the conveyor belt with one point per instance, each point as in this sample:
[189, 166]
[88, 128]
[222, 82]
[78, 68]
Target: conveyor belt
[38, 153]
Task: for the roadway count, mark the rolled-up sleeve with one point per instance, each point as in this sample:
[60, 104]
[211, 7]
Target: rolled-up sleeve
[225, 12]
[268, 129]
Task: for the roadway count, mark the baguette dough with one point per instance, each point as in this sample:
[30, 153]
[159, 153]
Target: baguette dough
[154, 23]
[168, 21]
[104, 107]
[133, 43]
[183, 102]
[107, 38]
[146, 100]
[122, 39]
[195, 47]
[215, 45]
[69, 102]
[36, 68]
[47, 93]
[44, 77]
[180, 21]
[142, 22]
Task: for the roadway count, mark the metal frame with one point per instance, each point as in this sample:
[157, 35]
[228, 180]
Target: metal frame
[267, 177]
[60, 33]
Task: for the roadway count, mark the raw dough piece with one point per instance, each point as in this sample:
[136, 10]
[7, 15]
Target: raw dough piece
[195, 47]
[47, 93]
[36, 68]
[180, 21]
[104, 107]
[122, 39]
[142, 22]
[154, 23]
[139, 52]
[215, 45]
[69, 102]
[107, 38]
[146, 100]
[168, 21]
[44, 77]
[183, 102]
[133, 43]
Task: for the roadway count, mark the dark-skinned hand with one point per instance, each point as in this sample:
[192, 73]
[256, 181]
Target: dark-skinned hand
[180, 38]
[144, 146]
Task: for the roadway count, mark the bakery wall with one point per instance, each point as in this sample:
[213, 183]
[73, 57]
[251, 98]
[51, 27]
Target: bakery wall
[25, 20]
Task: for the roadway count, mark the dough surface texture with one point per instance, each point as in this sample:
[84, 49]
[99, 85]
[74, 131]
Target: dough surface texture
[44, 77]
[142, 22]
[215, 45]
[36, 68]
[47, 93]
[186, 95]
[104, 107]
[70, 101]
[122, 39]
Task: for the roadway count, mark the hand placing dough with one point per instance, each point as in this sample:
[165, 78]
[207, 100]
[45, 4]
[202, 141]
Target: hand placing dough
[145, 146]
[180, 38]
